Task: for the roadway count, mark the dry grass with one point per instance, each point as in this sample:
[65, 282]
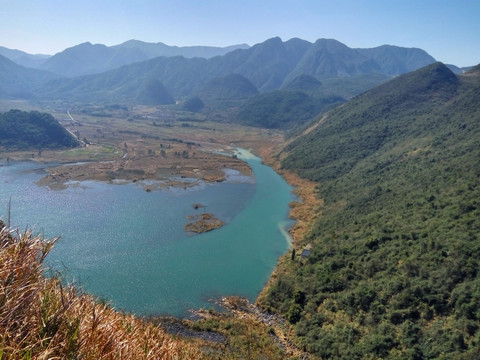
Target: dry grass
[41, 319]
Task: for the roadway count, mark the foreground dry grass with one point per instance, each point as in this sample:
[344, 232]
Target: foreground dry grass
[41, 319]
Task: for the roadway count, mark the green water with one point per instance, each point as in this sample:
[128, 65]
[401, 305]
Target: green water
[129, 247]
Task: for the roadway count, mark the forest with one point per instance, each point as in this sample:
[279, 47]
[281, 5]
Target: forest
[393, 271]
[20, 130]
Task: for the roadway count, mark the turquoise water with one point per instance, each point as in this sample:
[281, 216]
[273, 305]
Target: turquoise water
[128, 246]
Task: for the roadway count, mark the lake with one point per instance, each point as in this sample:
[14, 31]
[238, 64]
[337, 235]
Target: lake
[129, 247]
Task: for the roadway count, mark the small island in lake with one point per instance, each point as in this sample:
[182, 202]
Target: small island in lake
[203, 223]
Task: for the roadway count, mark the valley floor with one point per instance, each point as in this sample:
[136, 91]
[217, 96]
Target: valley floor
[159, 149]
[146, 144]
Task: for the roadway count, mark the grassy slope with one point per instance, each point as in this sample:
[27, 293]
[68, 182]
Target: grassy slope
[393, 271]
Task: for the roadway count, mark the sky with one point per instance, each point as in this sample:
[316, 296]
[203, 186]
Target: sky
[449, 30]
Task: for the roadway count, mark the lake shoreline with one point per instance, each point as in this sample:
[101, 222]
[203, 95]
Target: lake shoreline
[166, 172]
[303, 211]
[227, 261]
[61, 176]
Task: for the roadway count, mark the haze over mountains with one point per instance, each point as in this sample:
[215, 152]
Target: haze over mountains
[17, 81]
[87, 58]
[111, 74]
[23, 58]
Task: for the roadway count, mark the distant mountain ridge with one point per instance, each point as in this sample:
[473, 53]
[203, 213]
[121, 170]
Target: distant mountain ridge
[18, 82]
[269, 66]
[160, 49]
[87, 58]
[22, 58]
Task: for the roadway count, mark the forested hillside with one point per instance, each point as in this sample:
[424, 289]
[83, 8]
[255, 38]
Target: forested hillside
[229, 87]
[283, 109]
[393, 271]
[20, 130]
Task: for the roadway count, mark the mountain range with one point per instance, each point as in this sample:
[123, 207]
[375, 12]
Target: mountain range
[270, 65]
[87, 58]
[18, 82]
[23, 58]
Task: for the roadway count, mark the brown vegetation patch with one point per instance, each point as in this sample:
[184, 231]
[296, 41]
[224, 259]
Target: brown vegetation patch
[203, 223]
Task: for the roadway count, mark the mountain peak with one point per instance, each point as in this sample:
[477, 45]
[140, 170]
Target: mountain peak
[330, 44]
[84, 44]
[434, 79]
[395, 60]
[275, 39]
[441, 71]
[435, 76]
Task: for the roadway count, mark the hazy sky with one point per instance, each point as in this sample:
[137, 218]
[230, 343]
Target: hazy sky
[447, 30]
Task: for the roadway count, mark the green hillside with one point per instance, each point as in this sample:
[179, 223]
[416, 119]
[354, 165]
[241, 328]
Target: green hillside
[283, 109]
[229, 87]
[20, 130]
[305, 83]
[393, 271]
[193, 104]
[152, 92]
[370, 121]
